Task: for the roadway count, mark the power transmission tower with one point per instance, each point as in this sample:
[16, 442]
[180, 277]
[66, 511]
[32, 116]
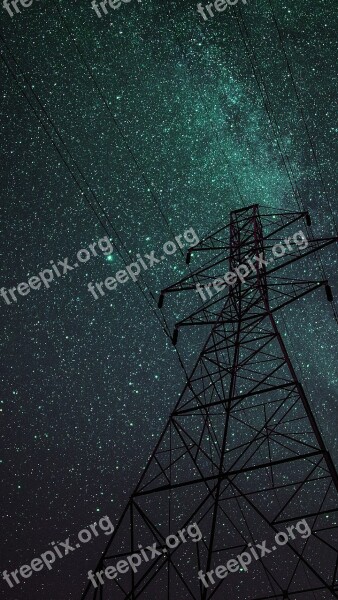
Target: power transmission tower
[241, 454]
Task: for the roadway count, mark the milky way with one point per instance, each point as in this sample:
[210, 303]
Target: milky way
[173, 122]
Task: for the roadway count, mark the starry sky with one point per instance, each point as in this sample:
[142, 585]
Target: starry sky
[162, 118]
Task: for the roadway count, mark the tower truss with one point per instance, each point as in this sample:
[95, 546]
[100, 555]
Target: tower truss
[241, 455]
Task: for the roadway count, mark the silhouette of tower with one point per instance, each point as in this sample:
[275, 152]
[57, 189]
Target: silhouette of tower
[241, 455]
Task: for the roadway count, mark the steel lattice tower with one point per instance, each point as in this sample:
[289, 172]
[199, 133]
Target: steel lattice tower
[241, 454]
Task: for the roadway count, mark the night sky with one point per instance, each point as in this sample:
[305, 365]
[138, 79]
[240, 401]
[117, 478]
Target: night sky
[160, 116]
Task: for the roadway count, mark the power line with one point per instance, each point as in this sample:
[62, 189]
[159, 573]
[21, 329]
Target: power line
[119, 129]
[270, 113]
[69, 169]
[268, 107]
[267, 104]
[299, 100]
[189, 70]
[164, 325]
[115, 122]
